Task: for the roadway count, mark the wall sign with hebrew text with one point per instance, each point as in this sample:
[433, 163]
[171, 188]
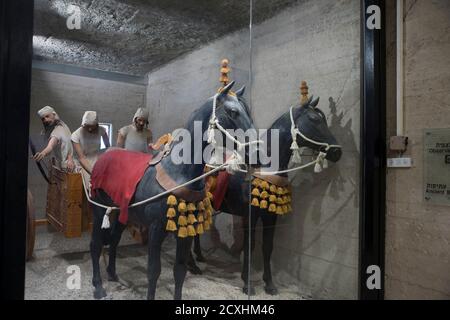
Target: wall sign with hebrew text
[437, 166]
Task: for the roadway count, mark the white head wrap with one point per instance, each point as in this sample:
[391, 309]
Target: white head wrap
[45, 111]
[89, 118]
[141, 113]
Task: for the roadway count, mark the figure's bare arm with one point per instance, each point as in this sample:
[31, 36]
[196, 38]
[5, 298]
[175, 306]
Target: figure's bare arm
[150, 140]
[70, 162]
[120, 141]
[47, 150]
[81, 157]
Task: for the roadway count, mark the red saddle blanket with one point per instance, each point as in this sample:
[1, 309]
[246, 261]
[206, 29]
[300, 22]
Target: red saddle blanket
[118, 172]
[221, 189]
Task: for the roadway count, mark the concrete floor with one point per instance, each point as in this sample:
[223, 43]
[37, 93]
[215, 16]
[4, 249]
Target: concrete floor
[46, 273]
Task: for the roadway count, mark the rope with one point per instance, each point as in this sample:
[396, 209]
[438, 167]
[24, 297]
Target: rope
[214, 123]
[320, 162]
[106, 225]
[232, 163]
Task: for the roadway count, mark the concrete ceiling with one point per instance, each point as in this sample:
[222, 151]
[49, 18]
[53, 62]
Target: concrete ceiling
[136, 36]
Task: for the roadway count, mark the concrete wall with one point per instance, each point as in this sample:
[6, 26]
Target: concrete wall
[417, 233]
[71, 95]
[316, 247]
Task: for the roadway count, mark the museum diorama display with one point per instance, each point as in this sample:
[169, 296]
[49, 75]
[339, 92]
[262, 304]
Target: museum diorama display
[194, 150]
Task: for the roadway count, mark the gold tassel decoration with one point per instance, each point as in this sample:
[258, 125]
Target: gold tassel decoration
[199, 228]
[265, 185]
[272, 207]
[255, 202]
[280, 191]
[285, 209]
[289, 208]
[256, 182]
[182, 207]
[182, 221]
[272, 198]
[171, 213]
[207, 202]
[200, 217]
[279, 210]
[191, 207]
[209, 195]
[255, 192]
[206, 225]
[279, 200]
[212, 183]
[273, 188]
[191, 218]
[171, 226]
[182, 232]
[264, 195]
[263, 204]
[191, 231]
[171, 200]
[200, 206]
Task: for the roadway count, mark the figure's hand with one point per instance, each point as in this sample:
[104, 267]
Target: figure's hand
[70, 165]
[39, 156]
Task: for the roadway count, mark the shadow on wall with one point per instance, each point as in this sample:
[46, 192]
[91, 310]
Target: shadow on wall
[316, 245]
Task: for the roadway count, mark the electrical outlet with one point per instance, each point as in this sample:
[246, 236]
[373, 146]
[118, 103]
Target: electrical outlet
[399, 163]
[398, 143]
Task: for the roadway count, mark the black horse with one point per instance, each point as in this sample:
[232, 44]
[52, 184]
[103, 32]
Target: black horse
[231, 113]
[312, 123]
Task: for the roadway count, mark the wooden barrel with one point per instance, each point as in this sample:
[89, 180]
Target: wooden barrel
[31, 229]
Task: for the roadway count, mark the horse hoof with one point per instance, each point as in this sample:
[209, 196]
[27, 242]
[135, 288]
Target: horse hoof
[99, 293]
[201, 258]
[246, 291]
[271, 290]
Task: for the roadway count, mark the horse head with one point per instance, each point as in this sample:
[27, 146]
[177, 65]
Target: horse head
[232, 113]
[313, 131]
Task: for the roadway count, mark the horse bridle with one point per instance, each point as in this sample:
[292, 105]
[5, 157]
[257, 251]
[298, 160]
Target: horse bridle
[295, 131]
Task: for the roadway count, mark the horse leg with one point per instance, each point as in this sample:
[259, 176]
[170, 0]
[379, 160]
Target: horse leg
[180, 267]
[156, 236]
[269, 223]
[198, 249]
[191, 265]
[116, 234]
[245, 270]
[96, 246]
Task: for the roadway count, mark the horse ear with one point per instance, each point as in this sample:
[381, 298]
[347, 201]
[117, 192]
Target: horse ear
[315, 102]
[307, 103]
[240, 92]
[226, 90]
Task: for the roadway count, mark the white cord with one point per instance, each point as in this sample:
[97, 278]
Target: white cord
[320, 162]
[295, 131]
[105, 224]
[214, 123]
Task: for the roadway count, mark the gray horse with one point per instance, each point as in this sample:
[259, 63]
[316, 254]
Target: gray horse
[312, 123]
[232, 113]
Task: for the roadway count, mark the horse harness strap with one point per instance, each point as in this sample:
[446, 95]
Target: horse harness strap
[273, 179]
[167, 183]
[271, 193]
